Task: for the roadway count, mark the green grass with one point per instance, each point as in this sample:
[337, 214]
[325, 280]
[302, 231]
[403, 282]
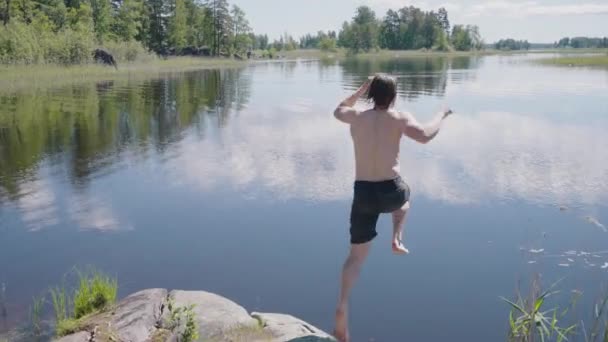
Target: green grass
[183, 318]
[95, 292]
[35, 314]
[589, 61]
[599, 328]
[15, 77]
[529, 319]
[59, 299]
[72, 325]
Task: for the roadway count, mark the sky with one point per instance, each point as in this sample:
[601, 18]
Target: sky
[538, 21]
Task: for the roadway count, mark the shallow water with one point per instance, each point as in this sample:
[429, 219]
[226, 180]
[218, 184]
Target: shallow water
[239, 182]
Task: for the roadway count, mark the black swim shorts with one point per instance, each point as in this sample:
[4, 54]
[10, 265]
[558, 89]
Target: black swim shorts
[372, 199]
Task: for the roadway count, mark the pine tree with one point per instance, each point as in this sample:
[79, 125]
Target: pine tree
[157, 26]
[442, 16]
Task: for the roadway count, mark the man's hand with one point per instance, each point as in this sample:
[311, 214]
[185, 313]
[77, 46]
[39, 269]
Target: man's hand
[363, 88]
[447, 112]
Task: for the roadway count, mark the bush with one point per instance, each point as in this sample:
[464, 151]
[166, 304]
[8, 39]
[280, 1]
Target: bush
[19, 44]
[327, 44]
[272, 52]
[128, 51]
[68, 47]
[23, 44]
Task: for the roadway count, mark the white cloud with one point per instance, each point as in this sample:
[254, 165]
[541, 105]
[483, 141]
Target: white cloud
[308, 157]
[38, 205]
[528, 8]
[92, 213]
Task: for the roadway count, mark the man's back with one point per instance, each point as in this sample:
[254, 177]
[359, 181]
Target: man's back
[376, 136]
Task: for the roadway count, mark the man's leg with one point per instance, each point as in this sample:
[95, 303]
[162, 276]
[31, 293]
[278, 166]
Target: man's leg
[399, 216]
[350, 273]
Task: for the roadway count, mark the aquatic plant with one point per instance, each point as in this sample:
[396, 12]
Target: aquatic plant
[3, 311]
[35, 314]
[599, 329]
[59, 299]
[528, 319]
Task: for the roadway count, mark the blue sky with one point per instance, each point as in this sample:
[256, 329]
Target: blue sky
[537, 21]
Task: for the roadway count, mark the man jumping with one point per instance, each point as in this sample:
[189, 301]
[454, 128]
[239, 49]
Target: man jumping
[378, 188]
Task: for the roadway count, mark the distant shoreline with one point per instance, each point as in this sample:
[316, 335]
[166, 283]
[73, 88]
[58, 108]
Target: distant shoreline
[15, 77]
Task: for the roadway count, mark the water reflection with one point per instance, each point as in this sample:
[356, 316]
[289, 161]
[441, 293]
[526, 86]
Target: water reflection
[169, 160]
[192, 122]
[415, 76]
[487, 155]
[91, 127]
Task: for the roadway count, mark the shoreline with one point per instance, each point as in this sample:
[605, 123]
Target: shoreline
[17, 77]
[163, 315]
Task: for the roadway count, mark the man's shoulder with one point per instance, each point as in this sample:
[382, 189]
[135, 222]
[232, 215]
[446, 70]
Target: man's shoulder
[400, 115]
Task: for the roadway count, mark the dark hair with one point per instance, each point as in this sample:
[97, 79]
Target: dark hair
[382, 91]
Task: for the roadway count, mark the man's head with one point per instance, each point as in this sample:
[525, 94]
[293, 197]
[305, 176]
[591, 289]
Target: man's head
[382, 91]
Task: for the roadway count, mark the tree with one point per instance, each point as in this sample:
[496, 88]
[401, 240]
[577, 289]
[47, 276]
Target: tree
[512, 44]
[128, 20]
[102, 18]
[241, 29]
[5, 11]
[362, 33]
[389, 31]
[262, 42]
[460, 38]
[442, 17]
[177, 26]
[197, 27]
[327, 44]
[345, 35]
[221, 24]
[155, 38]
[428, 31]
[465, 38]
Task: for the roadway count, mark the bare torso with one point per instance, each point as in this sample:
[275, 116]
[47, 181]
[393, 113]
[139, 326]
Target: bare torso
[376, 137]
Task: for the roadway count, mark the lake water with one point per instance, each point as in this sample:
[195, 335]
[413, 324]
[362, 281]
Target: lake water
[239, 182]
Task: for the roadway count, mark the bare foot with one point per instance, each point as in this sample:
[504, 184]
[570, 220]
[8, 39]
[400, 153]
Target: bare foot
[398, 248]
[341, 331]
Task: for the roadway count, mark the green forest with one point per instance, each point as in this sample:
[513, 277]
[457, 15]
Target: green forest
[408, 28]
[66, 31]
[582, 43]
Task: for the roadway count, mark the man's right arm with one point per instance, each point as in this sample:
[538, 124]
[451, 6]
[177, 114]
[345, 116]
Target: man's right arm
[423, 133]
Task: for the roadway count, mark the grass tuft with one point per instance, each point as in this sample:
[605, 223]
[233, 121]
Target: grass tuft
[95, 293]
[36, 313]
[59, 299]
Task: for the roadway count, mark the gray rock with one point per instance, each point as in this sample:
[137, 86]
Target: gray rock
[284, 328]
[135, 318]
[216, 315]
[82, 336]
